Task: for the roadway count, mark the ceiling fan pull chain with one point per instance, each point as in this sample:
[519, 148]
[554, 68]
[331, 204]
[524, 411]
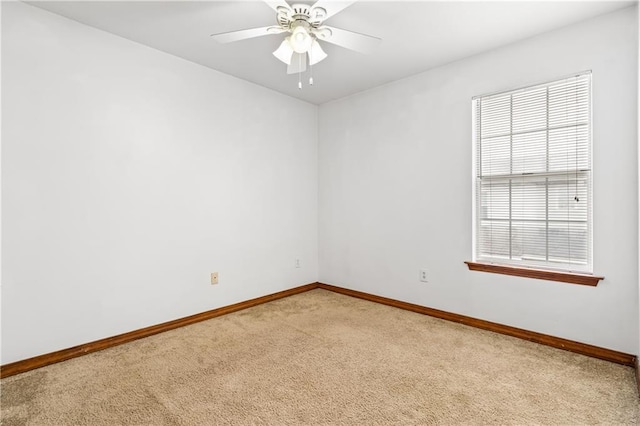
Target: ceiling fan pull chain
[299, 72]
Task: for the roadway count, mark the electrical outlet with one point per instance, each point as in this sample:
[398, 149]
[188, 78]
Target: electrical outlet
[214, 278]
[297, 263]
[423, 276]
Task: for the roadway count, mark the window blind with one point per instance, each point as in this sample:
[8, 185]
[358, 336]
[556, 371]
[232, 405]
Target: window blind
[533, 175]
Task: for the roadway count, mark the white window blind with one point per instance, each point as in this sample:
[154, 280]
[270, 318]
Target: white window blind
[533, 176]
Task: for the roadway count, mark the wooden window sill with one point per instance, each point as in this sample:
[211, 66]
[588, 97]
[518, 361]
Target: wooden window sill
[541, 274]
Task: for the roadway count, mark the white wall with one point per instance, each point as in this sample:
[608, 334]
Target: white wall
[396, 187]
[128, 175]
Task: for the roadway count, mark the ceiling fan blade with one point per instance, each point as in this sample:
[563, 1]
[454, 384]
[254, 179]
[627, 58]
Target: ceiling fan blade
[275, 4]
[298, 63]
[230, 36]
[331, 7]
[348, 39]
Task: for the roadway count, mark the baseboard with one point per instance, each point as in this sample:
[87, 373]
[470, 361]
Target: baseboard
[637, 366]
[98, 345]
[544, 339]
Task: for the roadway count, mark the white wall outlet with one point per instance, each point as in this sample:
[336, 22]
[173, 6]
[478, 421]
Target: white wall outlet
[423, 276]
[214, 278]
[297, 263]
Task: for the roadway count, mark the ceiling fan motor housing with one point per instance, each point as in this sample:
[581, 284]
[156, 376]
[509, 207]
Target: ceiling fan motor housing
[300, 14]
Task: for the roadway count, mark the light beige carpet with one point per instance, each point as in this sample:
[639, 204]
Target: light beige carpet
[324, 358]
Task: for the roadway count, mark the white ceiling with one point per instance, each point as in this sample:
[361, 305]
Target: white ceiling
[417, 35]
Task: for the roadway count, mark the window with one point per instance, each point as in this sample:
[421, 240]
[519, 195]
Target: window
[533, 176]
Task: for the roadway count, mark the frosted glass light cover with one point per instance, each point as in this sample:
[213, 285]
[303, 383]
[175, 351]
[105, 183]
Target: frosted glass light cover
[284, 52]
[316, 54]
[300, 40]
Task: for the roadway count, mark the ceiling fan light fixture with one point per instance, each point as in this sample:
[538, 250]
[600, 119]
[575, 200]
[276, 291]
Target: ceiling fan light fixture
[300, 39]
[316, 54]
[304, 24]
[284, 52]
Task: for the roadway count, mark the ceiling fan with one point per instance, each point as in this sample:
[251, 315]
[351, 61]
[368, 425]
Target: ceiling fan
[305, 25]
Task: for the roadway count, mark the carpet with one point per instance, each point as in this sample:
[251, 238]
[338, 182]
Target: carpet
[321, 358]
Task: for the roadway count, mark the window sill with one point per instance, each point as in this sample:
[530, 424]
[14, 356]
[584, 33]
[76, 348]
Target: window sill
[541, 274]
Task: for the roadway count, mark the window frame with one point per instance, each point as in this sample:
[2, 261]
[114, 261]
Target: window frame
[523, 268]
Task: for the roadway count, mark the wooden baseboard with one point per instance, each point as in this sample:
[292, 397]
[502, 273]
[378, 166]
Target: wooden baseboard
[637, 366]
[98, 345]
[544, 339]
